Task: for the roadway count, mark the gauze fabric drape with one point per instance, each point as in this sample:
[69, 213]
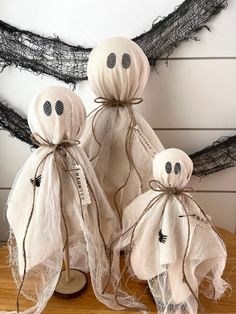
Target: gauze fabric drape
[119, 142]
[57, 200]
[164, 235]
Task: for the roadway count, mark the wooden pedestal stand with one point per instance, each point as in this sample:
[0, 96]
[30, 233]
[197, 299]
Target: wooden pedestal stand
[72, 282]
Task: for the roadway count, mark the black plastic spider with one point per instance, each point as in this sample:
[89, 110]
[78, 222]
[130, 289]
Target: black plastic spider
[37, 181]
[162, 237]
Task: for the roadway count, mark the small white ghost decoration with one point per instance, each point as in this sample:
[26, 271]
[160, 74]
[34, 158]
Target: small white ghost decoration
[117, 139]
[57, 202]
[165, 232]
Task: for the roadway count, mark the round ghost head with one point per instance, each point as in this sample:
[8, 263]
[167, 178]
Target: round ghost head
[118, 69]
[172, 168]
[55, 114]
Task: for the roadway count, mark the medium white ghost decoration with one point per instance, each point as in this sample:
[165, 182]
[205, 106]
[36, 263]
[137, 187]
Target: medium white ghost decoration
[119, 142]
[56, 201]
[164, 234]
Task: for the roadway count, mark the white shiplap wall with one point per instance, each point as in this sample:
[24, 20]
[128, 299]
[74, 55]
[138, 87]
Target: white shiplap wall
[196, 89]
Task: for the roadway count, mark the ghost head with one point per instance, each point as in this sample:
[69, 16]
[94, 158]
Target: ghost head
[118, 69]
[55, 114]
[172, 168]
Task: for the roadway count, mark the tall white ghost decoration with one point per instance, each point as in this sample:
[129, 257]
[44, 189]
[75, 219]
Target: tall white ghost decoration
[57, 202]
[119, 142]
[164, 234]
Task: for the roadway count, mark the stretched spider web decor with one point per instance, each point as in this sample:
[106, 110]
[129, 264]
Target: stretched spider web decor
[68, 63]
[15, 124]
[220, 155]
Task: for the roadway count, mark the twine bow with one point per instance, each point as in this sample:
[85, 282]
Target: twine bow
[56, 151]
[106, 104]
[157, 186]
[118, 103]
[175, 191]
[61, 145]
[168, 189]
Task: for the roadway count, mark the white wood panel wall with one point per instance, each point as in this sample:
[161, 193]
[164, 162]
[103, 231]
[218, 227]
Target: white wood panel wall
[190, 103]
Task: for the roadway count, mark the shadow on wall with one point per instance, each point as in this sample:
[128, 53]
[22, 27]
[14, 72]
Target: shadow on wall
[4, 226]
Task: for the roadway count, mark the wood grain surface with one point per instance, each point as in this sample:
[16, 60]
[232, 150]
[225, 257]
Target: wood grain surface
[87, 303]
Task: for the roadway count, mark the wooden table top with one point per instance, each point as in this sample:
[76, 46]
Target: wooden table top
[87, 303]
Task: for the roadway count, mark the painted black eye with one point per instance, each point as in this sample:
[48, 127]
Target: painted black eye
[177, 168]
[47, 108]
[126, 60]
[59, 107]
[111, 60]
[168, 167]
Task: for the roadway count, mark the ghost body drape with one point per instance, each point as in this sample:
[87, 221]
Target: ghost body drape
[119, 142]
[46, 234]
[56, 201]
[120, 147]
[158, 247]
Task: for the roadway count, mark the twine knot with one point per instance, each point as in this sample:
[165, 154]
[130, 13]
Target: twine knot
[118, 103]
[39, 141]
[157, 186]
